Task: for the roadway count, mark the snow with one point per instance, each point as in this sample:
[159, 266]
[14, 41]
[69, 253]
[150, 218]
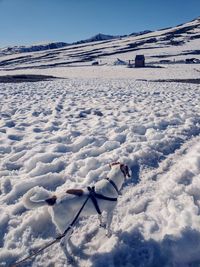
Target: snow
[63, 134]
[176, 71]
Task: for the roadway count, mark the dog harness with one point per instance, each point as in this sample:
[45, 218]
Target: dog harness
[113, 184]
[79, 192]
[94, 196]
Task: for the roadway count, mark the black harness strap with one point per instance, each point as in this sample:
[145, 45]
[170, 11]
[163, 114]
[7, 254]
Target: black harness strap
[113, 184]
[94, 196]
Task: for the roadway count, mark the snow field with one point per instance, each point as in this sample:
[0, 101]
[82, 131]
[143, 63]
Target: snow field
[171, 71]
[62, 134]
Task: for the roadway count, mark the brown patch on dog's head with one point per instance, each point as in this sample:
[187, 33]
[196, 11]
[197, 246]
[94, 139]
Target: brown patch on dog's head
[51, 201]
[113, 164]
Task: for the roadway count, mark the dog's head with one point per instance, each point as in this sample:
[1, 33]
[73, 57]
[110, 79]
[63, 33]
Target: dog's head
[123, 167]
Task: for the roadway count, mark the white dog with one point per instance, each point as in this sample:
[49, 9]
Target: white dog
[64, 208]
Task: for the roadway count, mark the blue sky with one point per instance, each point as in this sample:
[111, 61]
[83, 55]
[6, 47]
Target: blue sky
[33, 21]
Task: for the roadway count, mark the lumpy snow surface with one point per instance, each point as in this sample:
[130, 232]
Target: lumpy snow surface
[63, 134]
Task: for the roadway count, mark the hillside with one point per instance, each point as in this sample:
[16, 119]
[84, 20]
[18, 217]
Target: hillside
[170, 45]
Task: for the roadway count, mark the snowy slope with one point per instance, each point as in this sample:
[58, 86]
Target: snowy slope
[171, 45]
[62, 134]
[52, 45]
[31, 48]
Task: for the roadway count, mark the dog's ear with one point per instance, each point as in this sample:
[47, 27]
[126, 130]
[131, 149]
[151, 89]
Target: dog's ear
[125, 169]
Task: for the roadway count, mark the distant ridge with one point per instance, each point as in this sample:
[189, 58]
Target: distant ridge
[54, 45]
[97, 37]
[32, 48]
[139, 33]
[179, 44]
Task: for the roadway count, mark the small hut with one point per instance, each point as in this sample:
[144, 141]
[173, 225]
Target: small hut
[139, 61]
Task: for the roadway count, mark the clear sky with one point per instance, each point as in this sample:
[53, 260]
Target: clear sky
[33, 21]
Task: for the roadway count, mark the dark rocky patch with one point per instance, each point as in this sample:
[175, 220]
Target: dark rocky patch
[25, 78]
[193, 81]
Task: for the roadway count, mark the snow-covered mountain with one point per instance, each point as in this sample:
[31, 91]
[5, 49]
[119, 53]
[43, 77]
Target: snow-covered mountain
[167, 45]
[162, 46]
[31, 48]
[97, 37]
[139, 33]
[54, 45]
